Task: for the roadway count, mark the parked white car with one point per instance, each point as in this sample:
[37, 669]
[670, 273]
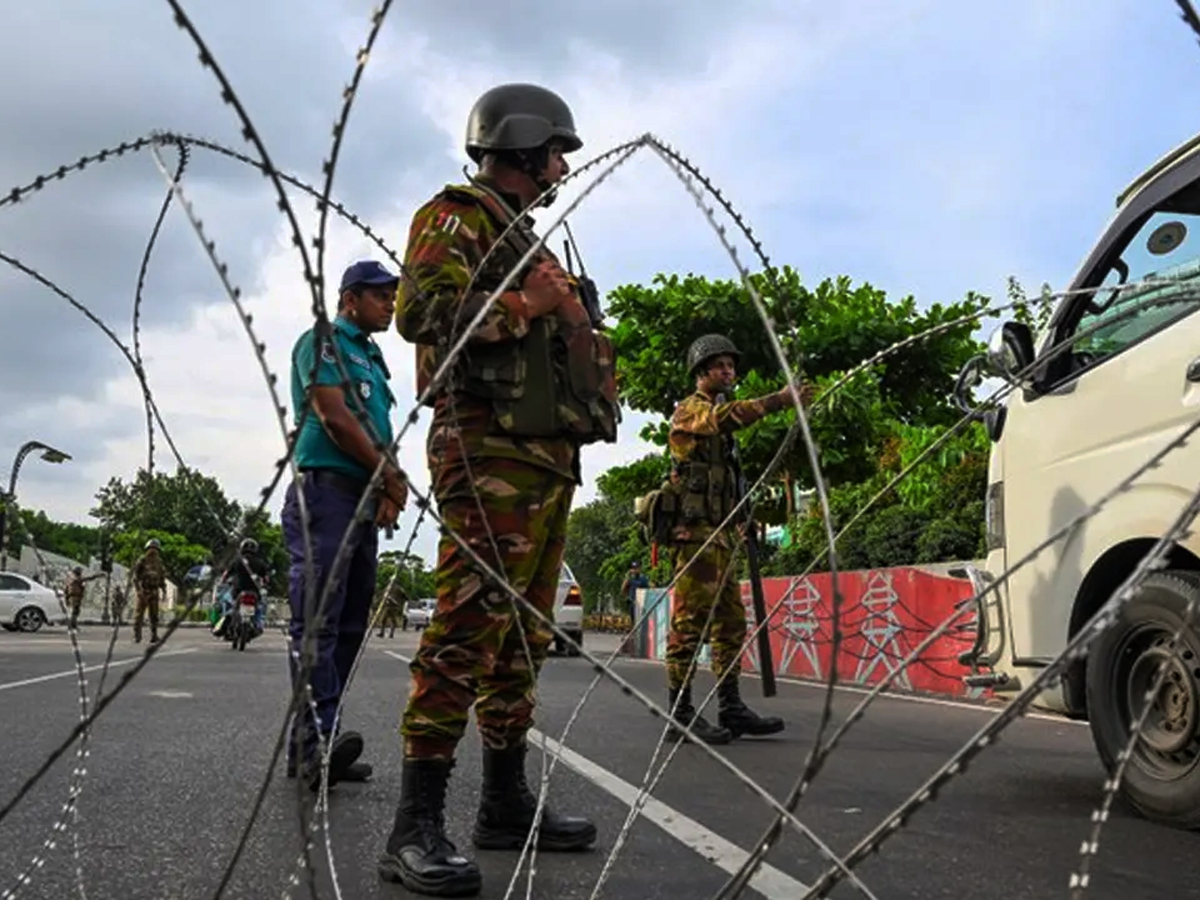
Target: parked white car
[568, 611]
[26, 605]
[420, 612]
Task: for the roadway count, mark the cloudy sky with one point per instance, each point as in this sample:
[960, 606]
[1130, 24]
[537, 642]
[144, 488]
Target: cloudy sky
[929, 148]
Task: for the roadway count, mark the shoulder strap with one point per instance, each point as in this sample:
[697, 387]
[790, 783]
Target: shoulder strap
[520, 237]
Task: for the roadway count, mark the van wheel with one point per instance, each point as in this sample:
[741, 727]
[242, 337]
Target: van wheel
[1162, 777]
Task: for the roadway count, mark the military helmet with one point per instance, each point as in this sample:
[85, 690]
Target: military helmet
[249, 545]
[153, 542]
[519, 117]
[706, 347]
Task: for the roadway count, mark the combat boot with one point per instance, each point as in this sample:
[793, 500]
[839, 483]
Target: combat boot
[507, 806]
[685, 714]
[418, 853]
[737, 717]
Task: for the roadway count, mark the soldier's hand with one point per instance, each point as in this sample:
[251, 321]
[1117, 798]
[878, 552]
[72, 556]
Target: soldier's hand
[395, 488]
[387, 513]
[571, 312]
[545, 287]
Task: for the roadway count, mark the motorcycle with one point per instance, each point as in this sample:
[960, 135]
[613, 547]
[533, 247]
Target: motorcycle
[241, 628]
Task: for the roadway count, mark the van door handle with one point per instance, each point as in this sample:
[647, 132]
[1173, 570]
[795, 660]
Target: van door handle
[1193, 370]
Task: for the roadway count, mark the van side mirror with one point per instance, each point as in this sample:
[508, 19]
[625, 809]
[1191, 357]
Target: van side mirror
[1010, 351]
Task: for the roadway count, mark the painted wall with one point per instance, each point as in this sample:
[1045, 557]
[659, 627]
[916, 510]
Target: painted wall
[885, 614]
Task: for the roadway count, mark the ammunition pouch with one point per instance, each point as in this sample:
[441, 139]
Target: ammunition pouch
[552, 383]
[657, 513]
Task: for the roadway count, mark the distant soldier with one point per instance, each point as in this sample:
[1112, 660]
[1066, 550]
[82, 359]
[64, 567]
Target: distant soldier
[117, 604]
[149, 580]
[703, 479]
[392, 612]
[75, 588]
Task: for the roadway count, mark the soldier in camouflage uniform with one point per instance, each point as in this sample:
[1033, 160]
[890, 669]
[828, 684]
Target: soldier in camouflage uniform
[149, 579]
[534, 384]
[705, 485]
[74, 590]
[392, 612]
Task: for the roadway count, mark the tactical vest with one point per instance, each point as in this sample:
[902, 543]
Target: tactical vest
[698, 497]
[554, 382]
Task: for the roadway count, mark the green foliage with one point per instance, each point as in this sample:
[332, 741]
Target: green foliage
[603, 536]
[830, 329]
[79, 542]
[180, 503]
[178, 554]
[415, 582]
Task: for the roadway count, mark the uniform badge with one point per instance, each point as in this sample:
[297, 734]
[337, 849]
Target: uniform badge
[327, 351]
[364, 389]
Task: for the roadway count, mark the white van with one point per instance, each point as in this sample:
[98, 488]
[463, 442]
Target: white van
[1075, 426]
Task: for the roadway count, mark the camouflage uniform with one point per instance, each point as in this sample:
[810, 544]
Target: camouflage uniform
[149, 579]
[73, 592]
[712, 578]
[118, 604]
[472, 652]
[391, 613]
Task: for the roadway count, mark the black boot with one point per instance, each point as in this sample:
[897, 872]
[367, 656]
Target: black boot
[507, 806]
[685, 714]
[418, 853]
[737, 717]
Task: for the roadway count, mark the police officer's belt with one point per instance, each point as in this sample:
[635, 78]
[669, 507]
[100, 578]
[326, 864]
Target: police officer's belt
[335, 480]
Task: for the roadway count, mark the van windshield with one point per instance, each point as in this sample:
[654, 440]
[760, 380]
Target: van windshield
[1161, 266]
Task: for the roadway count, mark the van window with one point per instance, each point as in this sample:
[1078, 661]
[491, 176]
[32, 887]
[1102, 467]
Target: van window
[1165, 248]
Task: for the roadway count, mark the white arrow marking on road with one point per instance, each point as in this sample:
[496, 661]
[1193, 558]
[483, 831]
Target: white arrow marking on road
[769, 881]
[71, 673]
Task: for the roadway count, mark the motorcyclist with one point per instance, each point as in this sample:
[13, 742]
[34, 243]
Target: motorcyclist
[249, 572]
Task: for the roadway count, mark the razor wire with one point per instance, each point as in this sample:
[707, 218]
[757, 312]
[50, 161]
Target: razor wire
[314, 279]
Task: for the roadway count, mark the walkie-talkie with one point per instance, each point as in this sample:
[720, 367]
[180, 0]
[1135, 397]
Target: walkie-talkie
[588, 295]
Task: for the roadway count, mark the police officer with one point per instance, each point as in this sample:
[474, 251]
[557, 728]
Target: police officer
[149, 580]
[336, 456]
[702, 476]
[503, 452]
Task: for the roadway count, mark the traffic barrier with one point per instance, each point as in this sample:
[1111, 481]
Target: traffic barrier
[885, 614]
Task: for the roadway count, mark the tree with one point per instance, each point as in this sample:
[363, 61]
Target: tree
[178, 554]
[415, 581]
[603, 536]
[78, 542]
[184, 502]
[831, 328]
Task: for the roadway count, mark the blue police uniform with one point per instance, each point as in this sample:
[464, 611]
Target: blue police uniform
[333, 482]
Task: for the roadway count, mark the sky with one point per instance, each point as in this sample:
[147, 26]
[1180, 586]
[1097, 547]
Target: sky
[927, 148]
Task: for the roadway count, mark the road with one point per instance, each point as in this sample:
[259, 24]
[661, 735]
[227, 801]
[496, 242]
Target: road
[178, 757]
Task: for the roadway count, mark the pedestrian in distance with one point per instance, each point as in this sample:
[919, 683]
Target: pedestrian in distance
[704, 482]
[503, 452]
[336, 456]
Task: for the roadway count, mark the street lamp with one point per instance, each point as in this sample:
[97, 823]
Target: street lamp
[49, 454]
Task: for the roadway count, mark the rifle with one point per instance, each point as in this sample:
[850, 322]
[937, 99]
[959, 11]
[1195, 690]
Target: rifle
[766, 661]
[589, 296]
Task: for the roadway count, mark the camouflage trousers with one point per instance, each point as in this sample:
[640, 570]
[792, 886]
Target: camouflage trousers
[474, 650]
[391, 614]
[147, 601]
[709, 585]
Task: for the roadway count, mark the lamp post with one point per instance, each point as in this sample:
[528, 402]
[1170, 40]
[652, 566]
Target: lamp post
[49, 454]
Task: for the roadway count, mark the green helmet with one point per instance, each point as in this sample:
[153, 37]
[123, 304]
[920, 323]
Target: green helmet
[705, 348]
[519, 117]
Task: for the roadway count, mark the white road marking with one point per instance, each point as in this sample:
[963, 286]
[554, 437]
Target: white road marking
[886, 695]
[769, 881]
[72, 673]
[170, 695]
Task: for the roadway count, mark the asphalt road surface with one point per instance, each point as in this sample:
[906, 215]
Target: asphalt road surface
[177, 759]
